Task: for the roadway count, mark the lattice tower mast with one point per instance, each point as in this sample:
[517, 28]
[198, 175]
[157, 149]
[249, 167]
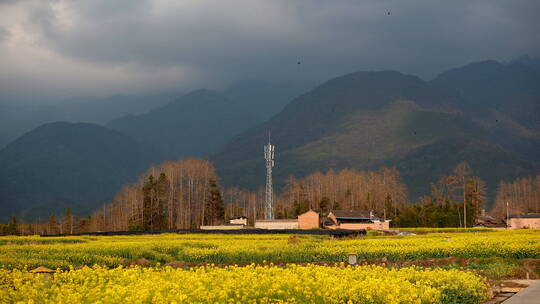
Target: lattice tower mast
[269, 199]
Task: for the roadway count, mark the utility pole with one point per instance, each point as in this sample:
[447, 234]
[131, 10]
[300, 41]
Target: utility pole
[464, 181]
[507, 215]
[269, 157]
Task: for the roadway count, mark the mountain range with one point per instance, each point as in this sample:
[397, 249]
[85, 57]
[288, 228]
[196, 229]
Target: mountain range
[486, 113]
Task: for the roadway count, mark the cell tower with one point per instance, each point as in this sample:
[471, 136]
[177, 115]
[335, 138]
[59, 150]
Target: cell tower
[269, 201]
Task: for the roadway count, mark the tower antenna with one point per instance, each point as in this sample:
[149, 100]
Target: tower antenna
[269, 199]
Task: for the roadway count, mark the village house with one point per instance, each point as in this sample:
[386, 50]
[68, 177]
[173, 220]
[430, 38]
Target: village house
[355, 220]
[239, 220]
[487, 221]
[526, 221]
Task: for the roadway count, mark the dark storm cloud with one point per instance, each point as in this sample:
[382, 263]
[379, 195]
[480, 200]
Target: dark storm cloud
[212, 43]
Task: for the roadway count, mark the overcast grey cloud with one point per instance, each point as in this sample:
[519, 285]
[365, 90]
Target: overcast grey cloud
[63, 48]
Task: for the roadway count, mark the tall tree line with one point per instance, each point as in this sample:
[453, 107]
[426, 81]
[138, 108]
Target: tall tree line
[522, 196]
[181, 194]
[379, 191]
[186, 194]
[456, 200]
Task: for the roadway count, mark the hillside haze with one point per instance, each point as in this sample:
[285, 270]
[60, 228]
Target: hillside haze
[67, 165]
[16, 120]
[200, 122]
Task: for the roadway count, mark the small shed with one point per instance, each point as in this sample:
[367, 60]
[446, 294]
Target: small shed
[355, 220]
[239, 220]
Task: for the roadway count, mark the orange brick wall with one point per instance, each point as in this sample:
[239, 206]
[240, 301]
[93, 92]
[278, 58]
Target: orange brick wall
[308, 220]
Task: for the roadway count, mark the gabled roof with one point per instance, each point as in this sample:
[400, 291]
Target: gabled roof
[239, 217]
[486, 218]
[530, 215]
[311, 210]
[353, 214]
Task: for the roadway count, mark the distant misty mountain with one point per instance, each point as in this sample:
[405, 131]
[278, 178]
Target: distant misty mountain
[67, 165]
[15, 120]
[264, 99]
[484, 113]
[102, 110]
[199, 123]
[193, 125]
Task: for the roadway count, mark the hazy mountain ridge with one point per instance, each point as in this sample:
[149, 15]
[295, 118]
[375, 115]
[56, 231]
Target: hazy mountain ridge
[60, 165]
[193, 125]
[16, 120]
[200, 122]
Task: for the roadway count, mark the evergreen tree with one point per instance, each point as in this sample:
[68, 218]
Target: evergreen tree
[162, 194]
[214, 207]
[12, 227]
[148, 200]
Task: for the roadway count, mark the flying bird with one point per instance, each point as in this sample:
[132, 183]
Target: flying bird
[298, 62]
[388, 13]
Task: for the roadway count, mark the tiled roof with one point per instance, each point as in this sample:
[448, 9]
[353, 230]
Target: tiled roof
[530, 215]
[351, 214]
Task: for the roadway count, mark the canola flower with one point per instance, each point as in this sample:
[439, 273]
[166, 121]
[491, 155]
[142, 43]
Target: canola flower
[62, 252]
[250, 284]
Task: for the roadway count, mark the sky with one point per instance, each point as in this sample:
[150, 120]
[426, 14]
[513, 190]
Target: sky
[58, 49]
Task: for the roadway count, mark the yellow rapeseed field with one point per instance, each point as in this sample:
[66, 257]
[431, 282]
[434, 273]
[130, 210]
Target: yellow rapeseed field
[250, 284]
[58, 252]
[105, 281]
